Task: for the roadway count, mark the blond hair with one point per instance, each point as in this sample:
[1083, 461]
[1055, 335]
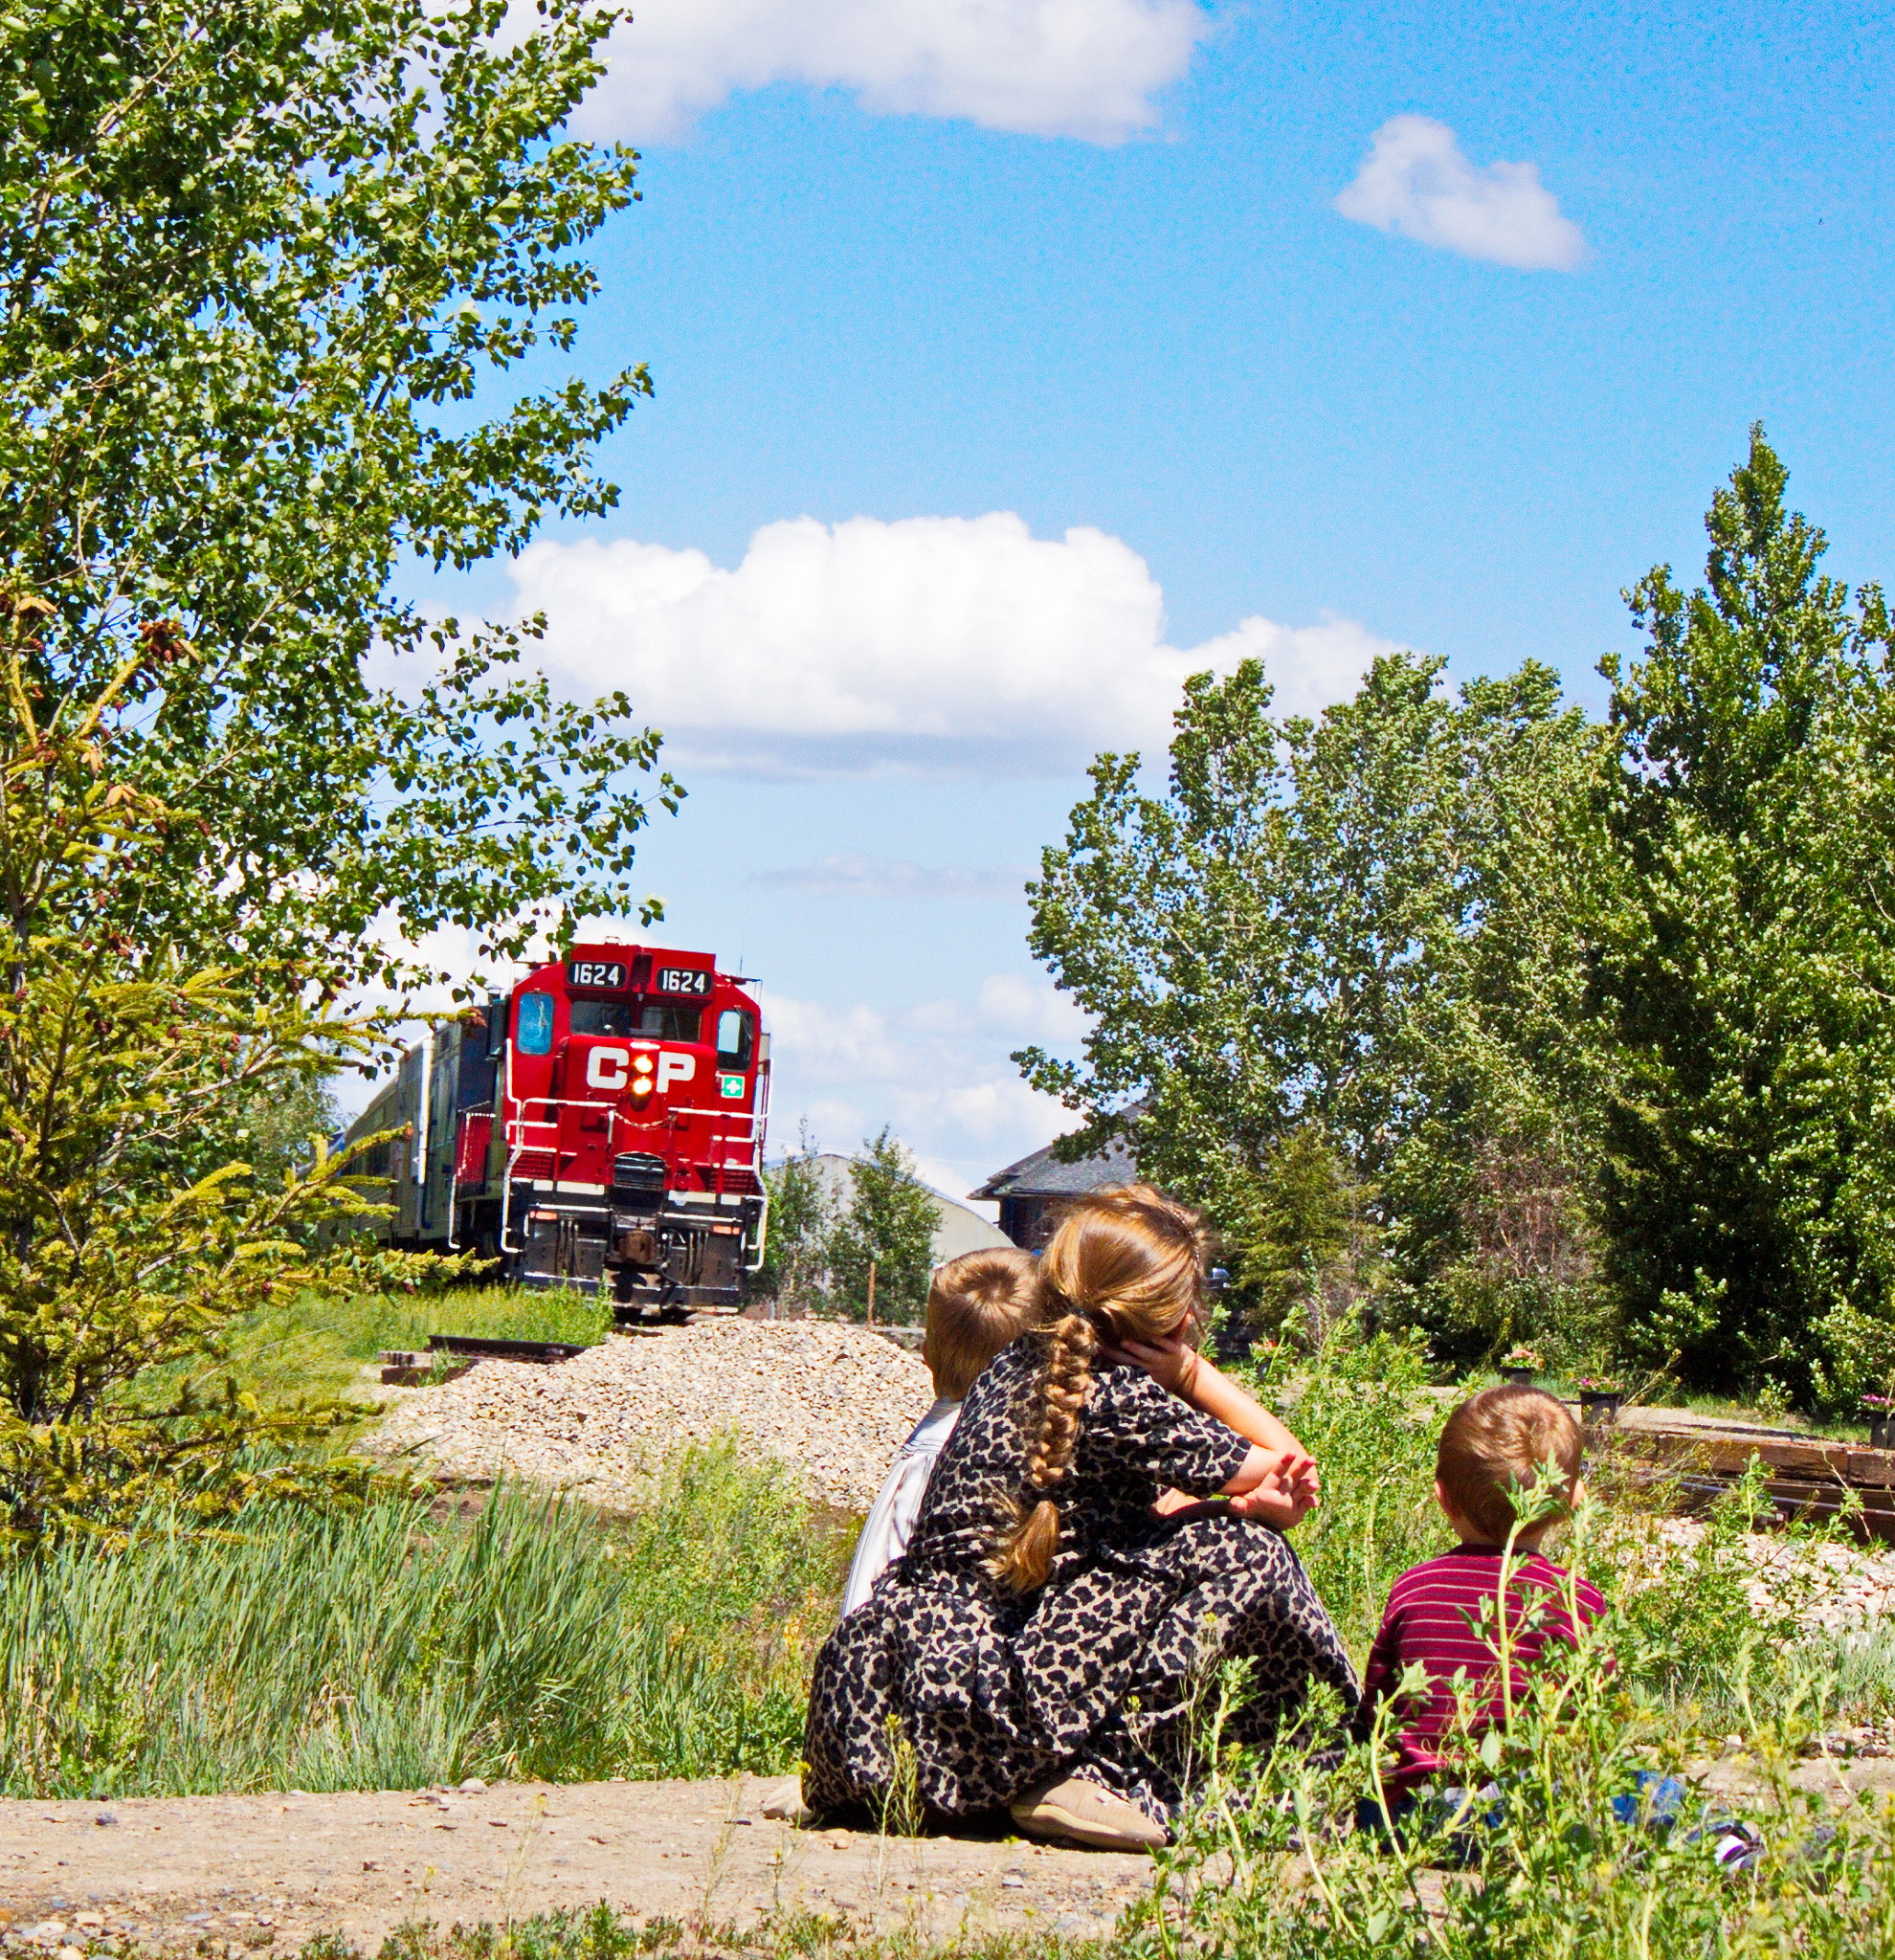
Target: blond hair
[1502, 1441]
[1125, 1263]
[976, 1305]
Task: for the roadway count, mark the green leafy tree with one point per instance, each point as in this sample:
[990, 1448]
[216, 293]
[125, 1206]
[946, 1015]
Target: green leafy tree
[1528, 1270]
[124, 1257]
[1312, 1241]
[802, 1216]
[1362, 931]
[888, 1223]
[266, 265]
[1748, 966]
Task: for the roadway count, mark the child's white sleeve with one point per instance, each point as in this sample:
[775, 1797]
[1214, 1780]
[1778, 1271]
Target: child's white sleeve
[885, 1533]
[891, 1520]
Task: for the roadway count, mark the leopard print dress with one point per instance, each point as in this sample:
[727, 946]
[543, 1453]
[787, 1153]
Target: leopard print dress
[1103, 1671]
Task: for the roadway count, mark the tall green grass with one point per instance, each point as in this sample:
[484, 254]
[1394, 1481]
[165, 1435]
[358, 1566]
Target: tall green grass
[1363, 1414]
[1546, 1846]
[1273, 1867]
[298, 1347]
[385, 1648]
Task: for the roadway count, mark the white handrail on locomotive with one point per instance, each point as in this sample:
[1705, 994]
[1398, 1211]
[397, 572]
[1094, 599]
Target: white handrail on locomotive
[513, 1125]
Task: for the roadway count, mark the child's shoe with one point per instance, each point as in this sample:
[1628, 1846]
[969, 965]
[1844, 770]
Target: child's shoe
[783, 1802]
[1070, 1806]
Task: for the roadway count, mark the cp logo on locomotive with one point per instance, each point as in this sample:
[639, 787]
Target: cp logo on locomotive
[617, 1068]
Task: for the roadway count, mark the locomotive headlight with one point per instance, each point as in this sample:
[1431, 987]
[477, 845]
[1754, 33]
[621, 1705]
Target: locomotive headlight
[642, 1072]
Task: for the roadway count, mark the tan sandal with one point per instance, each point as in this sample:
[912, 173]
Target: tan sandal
[782, 1802]
[1070, 1806]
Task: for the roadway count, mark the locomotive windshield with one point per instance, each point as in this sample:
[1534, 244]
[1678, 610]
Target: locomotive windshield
[670, 1020]
[603, 1017]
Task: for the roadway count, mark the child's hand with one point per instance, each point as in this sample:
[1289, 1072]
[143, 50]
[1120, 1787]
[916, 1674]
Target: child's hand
[1290, 1490]
[1171, 1362]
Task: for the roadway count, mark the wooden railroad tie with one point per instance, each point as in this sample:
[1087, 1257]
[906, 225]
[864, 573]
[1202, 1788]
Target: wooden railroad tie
[1810, 1478]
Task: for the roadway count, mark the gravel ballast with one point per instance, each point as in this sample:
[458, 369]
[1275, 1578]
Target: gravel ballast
[832, 1401]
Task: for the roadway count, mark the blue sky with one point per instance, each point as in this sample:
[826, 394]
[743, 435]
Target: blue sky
[1012, 356]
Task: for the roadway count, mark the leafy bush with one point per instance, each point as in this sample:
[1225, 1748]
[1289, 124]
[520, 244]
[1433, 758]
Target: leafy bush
[1362, 1411]
[381, 1649]
[1699, 1631]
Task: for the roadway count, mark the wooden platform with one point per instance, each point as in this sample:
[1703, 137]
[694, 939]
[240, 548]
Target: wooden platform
[1809, 1476]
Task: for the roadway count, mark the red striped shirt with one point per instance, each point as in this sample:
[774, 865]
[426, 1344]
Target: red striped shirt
[1444, 1615]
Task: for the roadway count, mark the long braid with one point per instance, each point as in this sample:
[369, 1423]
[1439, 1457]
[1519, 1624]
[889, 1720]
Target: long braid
[1025, 1552]
[1125, 1261]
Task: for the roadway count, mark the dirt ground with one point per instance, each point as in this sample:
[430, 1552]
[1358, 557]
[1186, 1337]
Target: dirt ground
[224, 1875]
[234, 1876]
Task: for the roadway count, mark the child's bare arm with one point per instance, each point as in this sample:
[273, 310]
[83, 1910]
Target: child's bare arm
[1191, 1379]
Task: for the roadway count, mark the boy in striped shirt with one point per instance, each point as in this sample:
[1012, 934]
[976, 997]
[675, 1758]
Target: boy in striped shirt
[1445, 1615]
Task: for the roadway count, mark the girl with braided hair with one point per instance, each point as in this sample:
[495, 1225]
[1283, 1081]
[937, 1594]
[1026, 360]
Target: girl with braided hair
[1046, 1639]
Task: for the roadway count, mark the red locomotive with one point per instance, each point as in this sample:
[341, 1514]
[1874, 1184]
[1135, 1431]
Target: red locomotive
[602, 1125]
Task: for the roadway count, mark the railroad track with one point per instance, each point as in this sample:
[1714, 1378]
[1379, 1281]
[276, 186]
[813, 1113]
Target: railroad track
[1810, 1478]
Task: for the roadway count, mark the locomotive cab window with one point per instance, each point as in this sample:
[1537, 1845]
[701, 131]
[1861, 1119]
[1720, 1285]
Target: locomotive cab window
[604, 1017]
[533, 1023]
[670, 1020]
[736, 1037]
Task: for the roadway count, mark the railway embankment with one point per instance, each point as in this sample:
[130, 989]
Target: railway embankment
[831, 1400]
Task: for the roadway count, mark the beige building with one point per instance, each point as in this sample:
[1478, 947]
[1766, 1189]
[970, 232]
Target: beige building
[957, 1229]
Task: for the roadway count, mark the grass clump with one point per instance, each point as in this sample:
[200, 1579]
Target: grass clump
[385, 1648]
[600, 1932]
[303, 1347]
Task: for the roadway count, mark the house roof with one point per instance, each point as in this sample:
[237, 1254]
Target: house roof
[1043, 1175]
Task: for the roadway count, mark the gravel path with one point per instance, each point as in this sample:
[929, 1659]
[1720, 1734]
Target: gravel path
[835, 1401]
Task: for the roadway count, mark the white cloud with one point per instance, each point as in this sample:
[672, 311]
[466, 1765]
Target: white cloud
[1082, 68]
[1416, 180]
[1034, 1010]
[932, 642]
[938, 1074]
[851, 872]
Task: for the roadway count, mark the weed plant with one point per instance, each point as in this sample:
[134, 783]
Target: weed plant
[384, 1648]
[1362, 1412]
[1550, 1840]
[600, 1933]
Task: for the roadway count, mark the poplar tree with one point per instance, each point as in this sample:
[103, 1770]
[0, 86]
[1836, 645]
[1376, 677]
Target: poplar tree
[265, 266]
[1749, 968]
[264, 269]
[1358, 938]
